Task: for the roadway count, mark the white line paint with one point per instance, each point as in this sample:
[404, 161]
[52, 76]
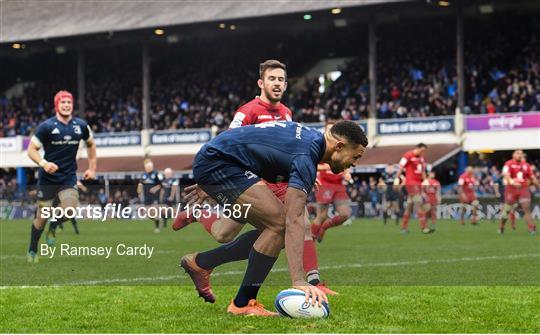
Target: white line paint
[331, 267]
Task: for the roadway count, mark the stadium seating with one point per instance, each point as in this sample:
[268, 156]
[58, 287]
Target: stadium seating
[416, 78]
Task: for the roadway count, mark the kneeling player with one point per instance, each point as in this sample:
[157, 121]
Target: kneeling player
[467, 184]
[221, 171]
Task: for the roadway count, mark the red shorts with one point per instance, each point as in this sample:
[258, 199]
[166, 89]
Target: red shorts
[467, 198]
[432, 200]
[514, 194]
[413, 190]
[328, 193]
[279, 190]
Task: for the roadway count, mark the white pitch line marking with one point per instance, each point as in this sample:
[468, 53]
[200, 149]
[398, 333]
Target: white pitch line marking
[331, 267]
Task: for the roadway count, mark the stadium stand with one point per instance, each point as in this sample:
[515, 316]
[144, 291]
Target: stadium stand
[190, 89]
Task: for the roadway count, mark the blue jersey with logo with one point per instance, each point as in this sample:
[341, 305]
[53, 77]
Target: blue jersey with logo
[274, 151]
[167, 184]
[60, 142]
[150, 180]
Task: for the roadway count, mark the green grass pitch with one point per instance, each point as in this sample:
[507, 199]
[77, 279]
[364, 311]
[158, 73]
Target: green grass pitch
[460, 279]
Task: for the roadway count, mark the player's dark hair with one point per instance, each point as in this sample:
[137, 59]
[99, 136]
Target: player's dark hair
[271, 64]
[421, 145]
[351, 131]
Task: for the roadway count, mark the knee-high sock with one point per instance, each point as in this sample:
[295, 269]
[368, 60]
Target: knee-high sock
[311, 266]
[35, 234]
[259, 265]
[236, 250]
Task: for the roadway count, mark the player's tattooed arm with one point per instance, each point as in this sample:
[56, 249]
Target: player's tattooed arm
[90, 173]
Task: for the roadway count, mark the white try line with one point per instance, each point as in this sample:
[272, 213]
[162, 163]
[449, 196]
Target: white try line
[331, 267]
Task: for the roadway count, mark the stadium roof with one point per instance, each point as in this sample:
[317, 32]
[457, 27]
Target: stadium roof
[24, 20]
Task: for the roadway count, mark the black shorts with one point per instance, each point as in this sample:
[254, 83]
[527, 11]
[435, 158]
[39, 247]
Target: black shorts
[390, 194]
[222, 179]
[50, 192]
[151, 199]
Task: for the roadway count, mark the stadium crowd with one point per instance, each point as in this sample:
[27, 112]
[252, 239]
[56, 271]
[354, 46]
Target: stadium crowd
[416, 78]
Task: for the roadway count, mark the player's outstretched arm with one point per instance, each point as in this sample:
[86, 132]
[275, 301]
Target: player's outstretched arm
[90, 173]
[33, 154]
[295, 203]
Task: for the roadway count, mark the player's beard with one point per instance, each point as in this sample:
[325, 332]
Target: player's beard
[270, 95]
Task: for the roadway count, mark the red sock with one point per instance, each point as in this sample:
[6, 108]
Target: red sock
[208, 222]
[532, 227]
[310, 256]
[473, 219]
[405, 223]
[501, 225]
[512, 217]
[335, 221]
[422, 219]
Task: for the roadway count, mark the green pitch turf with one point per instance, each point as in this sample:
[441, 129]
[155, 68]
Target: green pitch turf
[460, 279]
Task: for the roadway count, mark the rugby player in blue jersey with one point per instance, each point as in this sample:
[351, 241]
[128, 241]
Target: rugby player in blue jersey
[59, 138]
[229, 169]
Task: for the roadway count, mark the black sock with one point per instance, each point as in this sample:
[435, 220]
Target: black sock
[236, 250]
[53, 225]
[74, 223]
[156, 222]
[259, 265]
[35, 234]
[164, 222]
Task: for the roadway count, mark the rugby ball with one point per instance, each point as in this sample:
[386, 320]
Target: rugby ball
[292, 303]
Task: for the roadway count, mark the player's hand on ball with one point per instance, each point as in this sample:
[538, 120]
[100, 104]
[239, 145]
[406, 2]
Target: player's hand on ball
[89, 174]
[195, 195]
[50, 167]
[317, 296]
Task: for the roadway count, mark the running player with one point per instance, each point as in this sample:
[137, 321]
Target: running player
[229, 169]
[414, 164]
[267, 107]
[432, 192]
[518, 176]
[59, 137]
[330, 191]
[149, 189]
[467, 196]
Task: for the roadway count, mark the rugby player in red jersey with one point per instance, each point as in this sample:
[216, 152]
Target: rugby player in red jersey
[467, 184]
[518, 175]
[432, 192]
[330, 191]
[414, 164]
[265, 108]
